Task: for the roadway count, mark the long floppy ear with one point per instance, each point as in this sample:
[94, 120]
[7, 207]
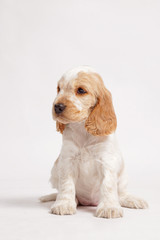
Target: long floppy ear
[60, 127]
[102, 120]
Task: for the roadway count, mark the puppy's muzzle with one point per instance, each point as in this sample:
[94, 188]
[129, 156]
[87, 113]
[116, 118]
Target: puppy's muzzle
[59, 108]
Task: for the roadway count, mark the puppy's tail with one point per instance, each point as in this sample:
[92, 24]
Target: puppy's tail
[47, 198]
[129, 201]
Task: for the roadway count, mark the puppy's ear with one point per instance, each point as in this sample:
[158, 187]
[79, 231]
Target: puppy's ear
[102, 120]
[60, 127]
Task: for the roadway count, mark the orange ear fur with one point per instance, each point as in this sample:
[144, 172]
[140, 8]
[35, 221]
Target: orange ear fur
[60, 127]
[102, 120]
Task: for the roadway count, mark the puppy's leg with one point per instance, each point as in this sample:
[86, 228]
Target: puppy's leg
[129, 201]
[126, 199]
[64, 176]
[109, 206]
[52, 197]
[65, 203]
[47, 198]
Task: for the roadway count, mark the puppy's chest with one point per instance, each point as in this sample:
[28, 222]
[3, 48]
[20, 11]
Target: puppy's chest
[88, 179]
[87, 164]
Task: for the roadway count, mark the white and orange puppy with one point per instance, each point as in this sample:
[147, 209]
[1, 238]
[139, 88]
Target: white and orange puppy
[90, 168]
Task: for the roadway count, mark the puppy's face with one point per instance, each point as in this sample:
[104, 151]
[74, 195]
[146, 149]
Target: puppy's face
[82, 96]
[75, 98]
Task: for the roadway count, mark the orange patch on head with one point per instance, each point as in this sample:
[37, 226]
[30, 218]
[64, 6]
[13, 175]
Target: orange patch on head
[96, 101]
[102, 120]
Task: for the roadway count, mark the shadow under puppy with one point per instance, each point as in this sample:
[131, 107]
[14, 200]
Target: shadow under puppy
[90, 168]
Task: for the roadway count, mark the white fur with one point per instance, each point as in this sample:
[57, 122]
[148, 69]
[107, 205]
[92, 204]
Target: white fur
[89, 171]
[76, 102]
[73, 73]
[91, 168]
[61, 92]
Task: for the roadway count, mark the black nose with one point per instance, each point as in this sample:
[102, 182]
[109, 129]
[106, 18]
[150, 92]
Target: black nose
[59, 108]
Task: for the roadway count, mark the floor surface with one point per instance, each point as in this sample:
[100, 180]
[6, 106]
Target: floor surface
[23, 217]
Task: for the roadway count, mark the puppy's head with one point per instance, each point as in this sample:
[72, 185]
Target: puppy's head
[82, 96]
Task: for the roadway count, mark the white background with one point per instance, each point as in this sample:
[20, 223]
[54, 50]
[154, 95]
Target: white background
[39, 40]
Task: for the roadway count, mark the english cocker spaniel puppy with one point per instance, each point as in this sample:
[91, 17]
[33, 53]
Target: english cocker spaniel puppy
[90, 168]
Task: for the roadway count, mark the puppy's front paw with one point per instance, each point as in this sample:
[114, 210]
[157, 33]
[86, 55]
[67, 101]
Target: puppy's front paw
[63, 207]
[105, 211]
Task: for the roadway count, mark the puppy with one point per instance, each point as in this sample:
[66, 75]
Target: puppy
[90, 168]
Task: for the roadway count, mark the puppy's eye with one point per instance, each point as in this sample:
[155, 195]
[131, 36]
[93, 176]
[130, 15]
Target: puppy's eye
[58, 89]
[81, 91]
